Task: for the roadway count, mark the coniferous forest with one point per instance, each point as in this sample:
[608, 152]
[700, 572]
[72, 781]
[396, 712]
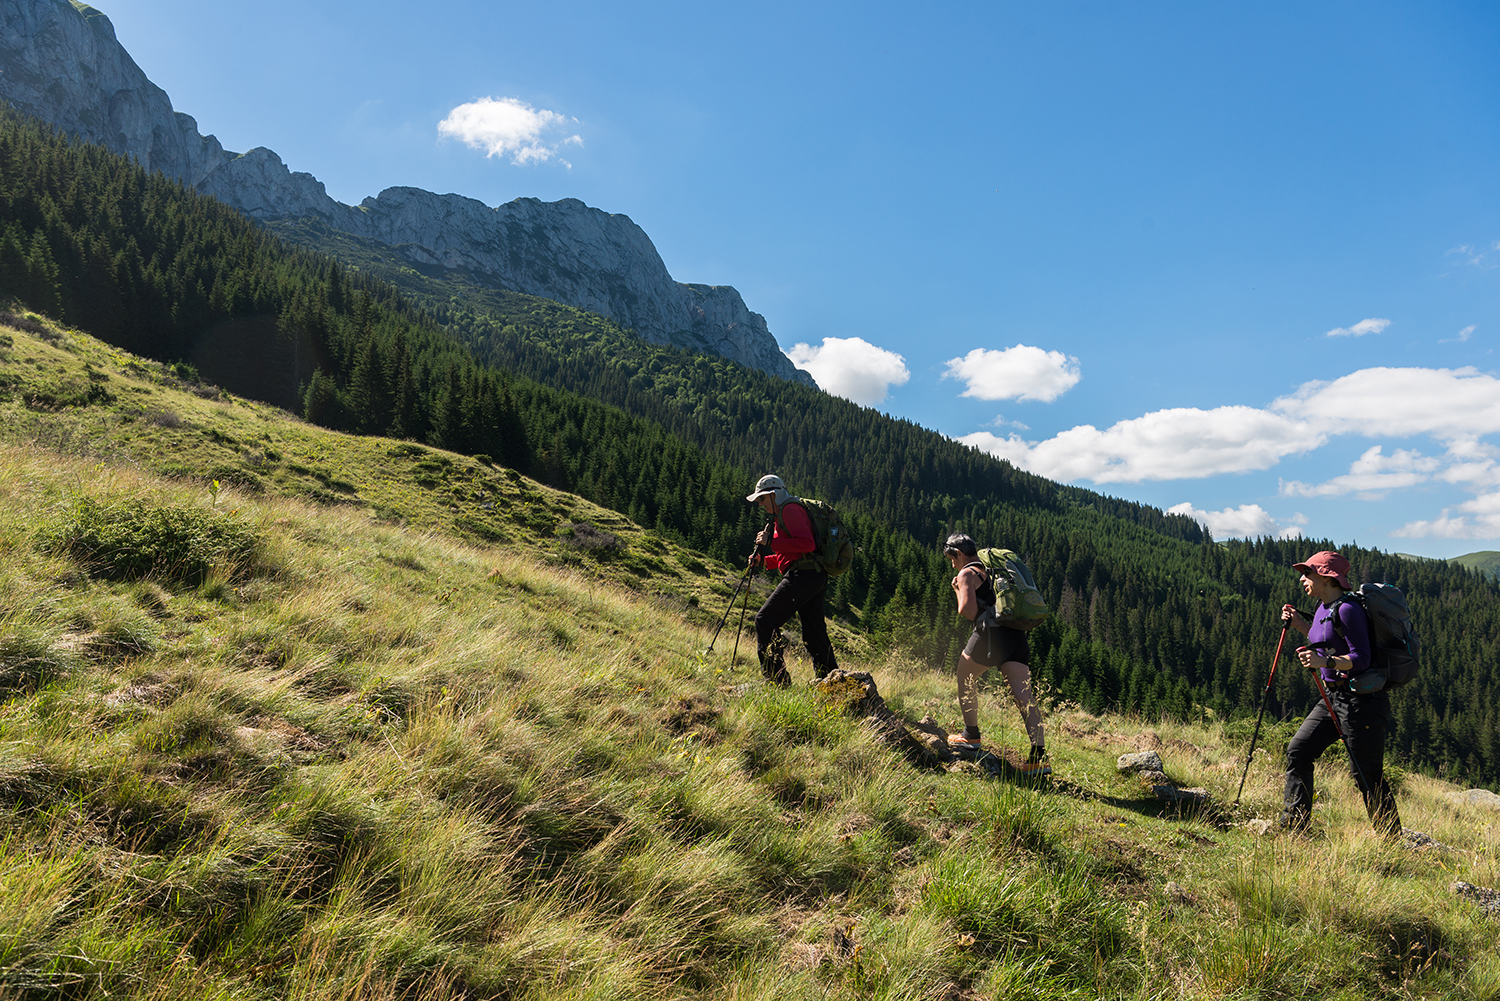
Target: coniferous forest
[1152, 614]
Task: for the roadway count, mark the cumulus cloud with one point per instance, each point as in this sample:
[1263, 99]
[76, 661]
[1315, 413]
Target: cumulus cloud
[1370, 326]
[1478, 519]
[1446, 404]
[1019, 373]
[1371, 476]
[1457, 408]
[505, 126]
[852, 367]
[1248, 521]
[1178, 444]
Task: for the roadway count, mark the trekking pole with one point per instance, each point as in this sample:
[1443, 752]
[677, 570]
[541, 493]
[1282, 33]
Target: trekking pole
[1359, 775]
[1262, 711]
[725, 617]
[739, 631]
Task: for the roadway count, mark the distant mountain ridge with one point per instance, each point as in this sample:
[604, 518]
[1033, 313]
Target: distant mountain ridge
[61, 62]
[1486, 561]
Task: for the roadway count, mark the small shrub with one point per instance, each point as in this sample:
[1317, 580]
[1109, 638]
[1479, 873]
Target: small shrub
[586, 536]
[164, 419]
[131, 541]
[25, 323]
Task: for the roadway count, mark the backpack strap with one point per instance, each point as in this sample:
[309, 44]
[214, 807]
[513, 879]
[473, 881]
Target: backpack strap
[984, 571]
[781, 520]
[1338, 624]
[1333, 612]
[808, 559]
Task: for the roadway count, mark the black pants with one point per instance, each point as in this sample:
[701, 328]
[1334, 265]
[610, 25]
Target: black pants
[800, 592]
[1364, 719]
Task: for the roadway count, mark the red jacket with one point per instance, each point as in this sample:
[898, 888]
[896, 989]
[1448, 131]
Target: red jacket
[796, 542]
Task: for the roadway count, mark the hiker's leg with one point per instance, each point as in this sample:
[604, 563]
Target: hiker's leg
[968, 672]
[1018, 676]
[814, 623]
[1312, 739]
[1365, 720]
[779, 607]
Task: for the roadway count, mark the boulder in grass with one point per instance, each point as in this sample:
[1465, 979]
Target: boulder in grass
[1481, 799]
[1487, 899]
[1140, 761]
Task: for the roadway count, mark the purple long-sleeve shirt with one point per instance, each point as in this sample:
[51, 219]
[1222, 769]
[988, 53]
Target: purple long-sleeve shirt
[1355, 643]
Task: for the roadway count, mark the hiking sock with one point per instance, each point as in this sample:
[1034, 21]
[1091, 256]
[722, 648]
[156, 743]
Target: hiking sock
[1038, 752]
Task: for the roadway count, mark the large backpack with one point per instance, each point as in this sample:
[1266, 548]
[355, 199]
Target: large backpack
[1393, 642]
[1018, 602]
[833, 549]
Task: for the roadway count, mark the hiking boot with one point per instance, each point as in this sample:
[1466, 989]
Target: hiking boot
[966, 741]
[1036, 764]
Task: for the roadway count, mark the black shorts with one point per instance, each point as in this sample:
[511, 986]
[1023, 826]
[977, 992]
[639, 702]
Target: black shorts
[994, 645]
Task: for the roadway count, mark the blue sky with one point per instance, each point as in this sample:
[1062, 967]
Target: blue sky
[1235, 259]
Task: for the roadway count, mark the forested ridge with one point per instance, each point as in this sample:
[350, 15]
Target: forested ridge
[1152, 615]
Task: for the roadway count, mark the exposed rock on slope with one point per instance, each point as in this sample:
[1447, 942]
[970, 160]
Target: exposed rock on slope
[61, 62]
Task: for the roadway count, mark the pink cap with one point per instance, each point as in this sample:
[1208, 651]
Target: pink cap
[1326, 564]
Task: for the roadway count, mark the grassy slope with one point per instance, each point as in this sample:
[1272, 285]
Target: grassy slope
[393, 755]
[1486, 562]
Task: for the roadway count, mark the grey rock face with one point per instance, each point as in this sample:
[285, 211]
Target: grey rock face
[62, 63]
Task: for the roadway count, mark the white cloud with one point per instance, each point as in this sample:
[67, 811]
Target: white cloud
[852, 367]
[1248, 521]
[1370, 326]
[1463, 335]
[1019, 373]
[1473, 463]
[1371, 476]
[507, 127]
[1164, 445]
[1474, 255]
[1455, 407]
[1446, 404]
[1480, 519]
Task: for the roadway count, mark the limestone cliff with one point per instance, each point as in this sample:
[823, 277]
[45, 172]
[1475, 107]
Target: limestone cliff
[61, 62]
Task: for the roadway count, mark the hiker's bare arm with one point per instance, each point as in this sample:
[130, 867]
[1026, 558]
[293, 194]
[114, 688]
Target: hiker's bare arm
[964, 587]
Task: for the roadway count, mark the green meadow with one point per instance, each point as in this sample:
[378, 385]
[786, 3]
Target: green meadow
[286, 713]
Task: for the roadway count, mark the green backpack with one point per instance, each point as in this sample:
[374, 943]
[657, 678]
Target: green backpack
[833, 550]
[1018, 602]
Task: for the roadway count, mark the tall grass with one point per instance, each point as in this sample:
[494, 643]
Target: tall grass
[348, 760]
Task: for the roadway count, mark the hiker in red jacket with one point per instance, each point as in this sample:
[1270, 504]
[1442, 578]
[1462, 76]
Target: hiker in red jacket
[786, 544]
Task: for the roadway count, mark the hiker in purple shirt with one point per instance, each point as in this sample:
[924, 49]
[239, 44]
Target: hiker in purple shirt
[1339, 648]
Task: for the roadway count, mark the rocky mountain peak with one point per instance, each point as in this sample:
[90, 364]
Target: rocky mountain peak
[61, 62]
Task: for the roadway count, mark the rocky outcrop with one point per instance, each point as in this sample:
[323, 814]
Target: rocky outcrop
[567, 251]
[61, 62]
[1479, 799]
